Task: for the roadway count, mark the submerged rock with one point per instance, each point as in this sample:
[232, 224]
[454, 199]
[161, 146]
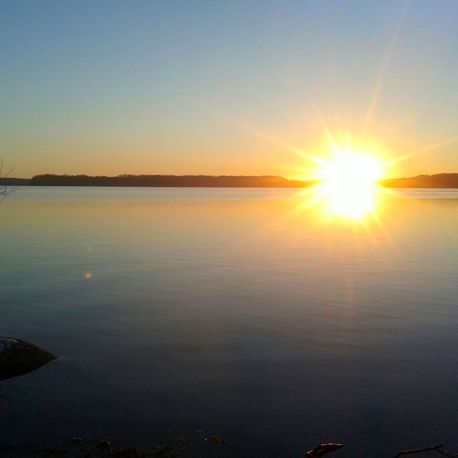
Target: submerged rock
[18, 357]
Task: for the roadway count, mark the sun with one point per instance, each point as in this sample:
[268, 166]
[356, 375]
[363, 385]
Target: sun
[348, 182]
[347, 174]
[351, 170]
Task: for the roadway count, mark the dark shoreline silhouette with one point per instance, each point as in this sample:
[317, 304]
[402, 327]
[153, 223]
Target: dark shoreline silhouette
[441, 180]
[206, 181]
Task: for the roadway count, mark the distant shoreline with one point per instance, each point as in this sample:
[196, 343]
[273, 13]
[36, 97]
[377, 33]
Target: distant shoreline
[441, 180]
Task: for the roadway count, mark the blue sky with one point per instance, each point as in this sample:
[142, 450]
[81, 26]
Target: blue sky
[224, 86]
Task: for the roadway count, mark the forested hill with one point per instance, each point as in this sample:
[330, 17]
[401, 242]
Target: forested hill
[168, 181]
[440, 180]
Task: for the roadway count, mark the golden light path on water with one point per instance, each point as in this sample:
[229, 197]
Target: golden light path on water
[352, 203]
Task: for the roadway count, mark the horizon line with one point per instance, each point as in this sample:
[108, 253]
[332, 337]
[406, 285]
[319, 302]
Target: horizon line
[133, 175]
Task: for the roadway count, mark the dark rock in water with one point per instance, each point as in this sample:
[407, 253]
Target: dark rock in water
[18, 357]
[104, 443]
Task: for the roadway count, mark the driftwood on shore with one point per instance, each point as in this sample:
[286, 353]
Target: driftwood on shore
[18, 357]
[80, 447]
[322, 449]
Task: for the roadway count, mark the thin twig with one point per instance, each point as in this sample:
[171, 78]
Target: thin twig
[434, 448]
[445, 453]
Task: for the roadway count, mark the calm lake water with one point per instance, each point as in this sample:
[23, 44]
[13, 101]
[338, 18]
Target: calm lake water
[238, 312]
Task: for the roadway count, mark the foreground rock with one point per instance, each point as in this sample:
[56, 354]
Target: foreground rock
[18, 357]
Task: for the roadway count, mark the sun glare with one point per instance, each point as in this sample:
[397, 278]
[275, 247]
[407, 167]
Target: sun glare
[349, 183]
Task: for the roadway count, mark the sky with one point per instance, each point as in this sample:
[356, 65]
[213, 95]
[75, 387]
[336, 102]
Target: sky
[226, 87]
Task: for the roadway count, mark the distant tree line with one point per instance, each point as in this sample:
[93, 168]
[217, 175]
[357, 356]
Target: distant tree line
[168, 181]
[7, 182]
[441, 180]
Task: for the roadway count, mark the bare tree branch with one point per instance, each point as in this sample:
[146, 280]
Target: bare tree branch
[4, 188]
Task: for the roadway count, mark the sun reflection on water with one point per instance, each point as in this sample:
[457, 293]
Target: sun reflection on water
[352, 202]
